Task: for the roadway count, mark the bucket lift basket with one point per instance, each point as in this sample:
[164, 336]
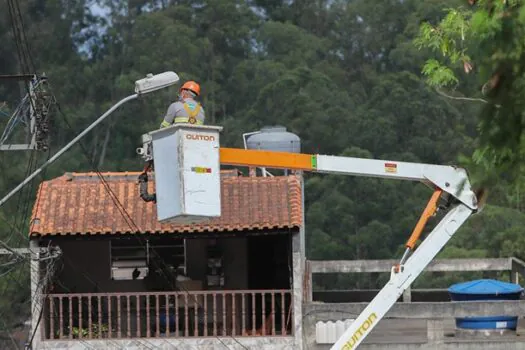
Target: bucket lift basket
[186, 171]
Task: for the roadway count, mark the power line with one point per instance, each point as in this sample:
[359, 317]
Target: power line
[16, 223]
[129, 220]
[39, 303]
[27, 65]
[23, 31]
[20, 37]
[112, 195]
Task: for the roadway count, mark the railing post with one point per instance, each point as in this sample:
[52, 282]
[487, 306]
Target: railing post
[186, 315]
[283, 312]
[224, 325]
[196, 315]
[253, 314]
[231, 312]
[263, 314]
[309, 282]
[234, 315]
[157, 311]
[148, 330]
[128, 315]
[119, 317]
[110, 326]
[80, 317]
[61, 317]
[139, 319]
[167, 308]
[51, 317]
[70, 311]
[407, 295]
[205, 314]
[517, 266]
[273, 312]
[99, 318]
[90, 323]
[177, 315]
[243, 313]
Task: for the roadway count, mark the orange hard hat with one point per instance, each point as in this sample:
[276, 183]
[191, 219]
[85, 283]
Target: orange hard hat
[192, 86]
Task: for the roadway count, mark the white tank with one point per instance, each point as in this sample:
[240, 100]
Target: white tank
[274, 138]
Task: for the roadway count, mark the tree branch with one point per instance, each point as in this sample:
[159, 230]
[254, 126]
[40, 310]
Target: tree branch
[471, 99]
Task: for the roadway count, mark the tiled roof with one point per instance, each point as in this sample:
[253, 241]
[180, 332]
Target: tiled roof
[79, 203]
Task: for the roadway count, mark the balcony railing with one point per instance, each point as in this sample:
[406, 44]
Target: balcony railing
[174, 314]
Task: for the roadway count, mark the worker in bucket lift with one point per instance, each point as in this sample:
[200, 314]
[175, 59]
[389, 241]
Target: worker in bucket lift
[186, 109]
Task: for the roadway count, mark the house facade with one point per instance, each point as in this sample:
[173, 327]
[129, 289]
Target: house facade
[123, 280]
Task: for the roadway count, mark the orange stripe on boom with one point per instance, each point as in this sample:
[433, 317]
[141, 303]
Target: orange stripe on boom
[267, 159]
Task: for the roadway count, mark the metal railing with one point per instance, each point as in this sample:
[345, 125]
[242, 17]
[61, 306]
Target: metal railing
[515, 266]
[168, 314]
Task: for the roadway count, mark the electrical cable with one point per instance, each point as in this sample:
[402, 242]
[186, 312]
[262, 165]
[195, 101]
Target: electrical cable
[110, 192]
[20, 36]
[14, 12]
[24, 39]
[17, 282]
[46, 280]
[18, 211]
[15, 229]
[15, 346]
[127, 217]
[43, 283]
[21, 45]
[24, 212]
[16, 35]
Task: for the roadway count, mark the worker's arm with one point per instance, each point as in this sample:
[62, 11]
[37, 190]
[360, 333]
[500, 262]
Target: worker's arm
[173, 109]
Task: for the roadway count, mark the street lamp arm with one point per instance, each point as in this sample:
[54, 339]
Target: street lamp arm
[66, 147]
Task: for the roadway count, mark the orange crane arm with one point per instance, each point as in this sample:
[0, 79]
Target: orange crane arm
[267, 159]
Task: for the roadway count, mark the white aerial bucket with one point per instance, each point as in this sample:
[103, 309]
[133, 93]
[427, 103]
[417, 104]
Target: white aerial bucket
[187, 173]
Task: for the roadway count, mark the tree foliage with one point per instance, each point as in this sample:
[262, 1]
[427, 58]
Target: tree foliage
[484, 38]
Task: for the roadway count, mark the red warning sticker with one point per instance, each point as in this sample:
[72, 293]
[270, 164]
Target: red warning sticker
[390, 167]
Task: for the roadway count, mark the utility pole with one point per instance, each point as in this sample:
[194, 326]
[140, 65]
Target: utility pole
[33, 111]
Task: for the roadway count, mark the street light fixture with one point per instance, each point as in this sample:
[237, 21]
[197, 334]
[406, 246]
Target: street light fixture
[143, 86]
[155, 82]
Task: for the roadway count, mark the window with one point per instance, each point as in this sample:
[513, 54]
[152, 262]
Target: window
[132, 259]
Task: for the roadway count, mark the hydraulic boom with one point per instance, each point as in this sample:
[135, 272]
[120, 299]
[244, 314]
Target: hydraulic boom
[461, 202]
[452, 192]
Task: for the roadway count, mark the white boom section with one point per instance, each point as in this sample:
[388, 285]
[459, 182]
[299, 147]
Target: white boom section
[450, 179]
[417, 262]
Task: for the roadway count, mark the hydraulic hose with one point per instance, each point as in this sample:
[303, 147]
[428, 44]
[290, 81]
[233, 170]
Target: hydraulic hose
[143, 189]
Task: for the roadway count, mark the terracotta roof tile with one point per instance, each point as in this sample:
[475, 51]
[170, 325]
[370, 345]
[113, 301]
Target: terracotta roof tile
[79, 203]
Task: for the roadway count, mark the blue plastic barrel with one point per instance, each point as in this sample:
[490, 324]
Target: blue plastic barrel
[486, 289]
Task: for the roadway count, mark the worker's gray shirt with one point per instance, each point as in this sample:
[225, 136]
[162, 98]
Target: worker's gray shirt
[176, 110]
